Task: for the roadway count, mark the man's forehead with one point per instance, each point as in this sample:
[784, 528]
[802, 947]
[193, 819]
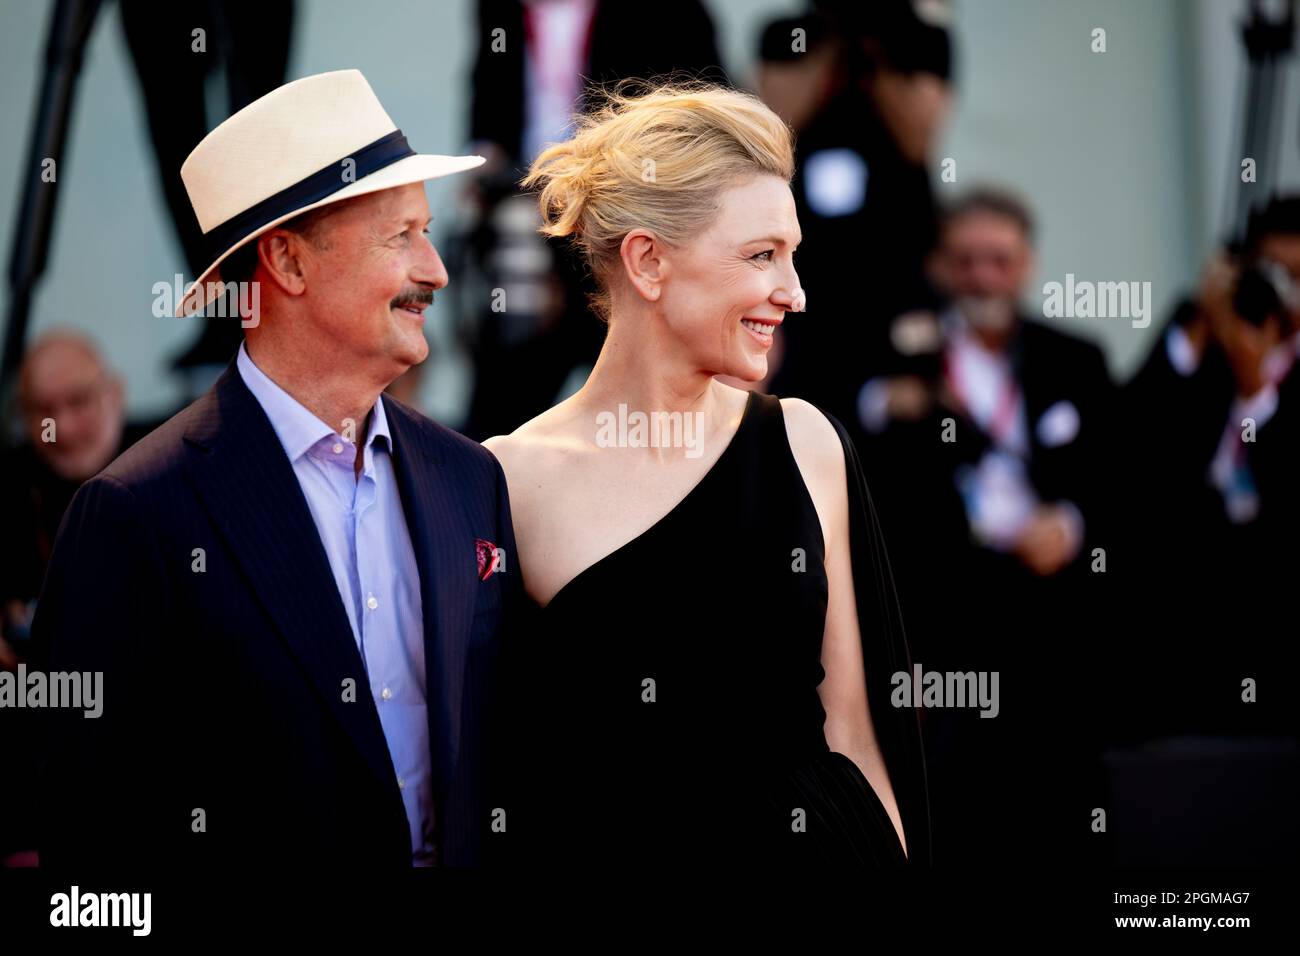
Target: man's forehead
[399, 204]
[984, 231]
[53, 372]
[980, 220]
[64, 354]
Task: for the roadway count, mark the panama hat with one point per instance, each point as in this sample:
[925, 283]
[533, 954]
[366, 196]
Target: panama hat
[315, 141]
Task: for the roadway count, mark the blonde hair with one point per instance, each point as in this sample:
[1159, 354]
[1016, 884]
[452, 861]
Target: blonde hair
[657, 159]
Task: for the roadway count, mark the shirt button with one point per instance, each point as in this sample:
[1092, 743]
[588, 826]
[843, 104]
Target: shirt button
[372, 602]
[386, 694]
[338, 449]
[401, 784]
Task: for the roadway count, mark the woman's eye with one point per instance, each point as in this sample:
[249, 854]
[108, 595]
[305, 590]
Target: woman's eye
[766, 252]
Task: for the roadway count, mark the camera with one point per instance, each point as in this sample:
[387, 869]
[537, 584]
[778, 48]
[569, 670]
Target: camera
[1265, 288]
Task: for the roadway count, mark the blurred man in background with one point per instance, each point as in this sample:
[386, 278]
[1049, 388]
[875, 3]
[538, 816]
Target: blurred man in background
[990, 433]
[73, 417]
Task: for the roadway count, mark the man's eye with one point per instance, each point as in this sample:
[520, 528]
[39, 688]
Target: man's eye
[766, 252]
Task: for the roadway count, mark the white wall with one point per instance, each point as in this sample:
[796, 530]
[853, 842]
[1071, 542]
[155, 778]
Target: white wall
[1097, 142]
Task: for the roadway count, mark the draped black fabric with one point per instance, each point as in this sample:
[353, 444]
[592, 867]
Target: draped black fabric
[664, 707]
[885, 652]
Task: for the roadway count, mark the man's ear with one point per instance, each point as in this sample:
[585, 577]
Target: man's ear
[644, 264]
[281, 253]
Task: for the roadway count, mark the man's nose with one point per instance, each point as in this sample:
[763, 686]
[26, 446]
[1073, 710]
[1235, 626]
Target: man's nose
[988, 276]
[429, 269]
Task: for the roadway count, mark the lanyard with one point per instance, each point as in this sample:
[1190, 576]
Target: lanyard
[1003, 420]
[553, 75]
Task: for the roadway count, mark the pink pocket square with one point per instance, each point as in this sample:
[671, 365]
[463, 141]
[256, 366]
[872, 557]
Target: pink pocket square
[488, 558]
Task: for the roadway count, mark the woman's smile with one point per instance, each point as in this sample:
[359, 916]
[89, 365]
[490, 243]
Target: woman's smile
[761, 329]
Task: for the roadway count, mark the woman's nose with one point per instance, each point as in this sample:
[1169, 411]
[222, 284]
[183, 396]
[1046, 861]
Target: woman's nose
[790, 295]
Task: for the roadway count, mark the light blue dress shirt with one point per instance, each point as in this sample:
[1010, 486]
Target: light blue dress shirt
[363, 529]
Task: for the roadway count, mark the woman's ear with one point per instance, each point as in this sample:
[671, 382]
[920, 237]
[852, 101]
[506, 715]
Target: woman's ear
[643, 263]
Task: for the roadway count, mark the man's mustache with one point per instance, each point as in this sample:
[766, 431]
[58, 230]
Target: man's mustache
[423, 299]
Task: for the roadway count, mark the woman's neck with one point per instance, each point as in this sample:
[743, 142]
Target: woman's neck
[637, 368]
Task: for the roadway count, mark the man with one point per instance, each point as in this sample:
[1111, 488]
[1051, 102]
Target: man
[1029, 403]
[289, 587]
[73, 417]
[1220, 390]
[991, 432]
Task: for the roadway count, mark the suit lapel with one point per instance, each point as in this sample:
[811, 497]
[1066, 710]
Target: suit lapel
[443, 543]
[245, 479]
[1029, 368]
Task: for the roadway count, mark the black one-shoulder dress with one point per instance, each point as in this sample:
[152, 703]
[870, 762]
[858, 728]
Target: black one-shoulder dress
[662, 709]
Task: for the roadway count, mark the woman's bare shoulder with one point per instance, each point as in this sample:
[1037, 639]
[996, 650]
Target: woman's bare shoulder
[813, 439]
[819, 454]
[536, 445]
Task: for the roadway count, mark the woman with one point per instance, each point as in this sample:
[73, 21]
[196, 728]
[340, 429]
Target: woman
[704, 672]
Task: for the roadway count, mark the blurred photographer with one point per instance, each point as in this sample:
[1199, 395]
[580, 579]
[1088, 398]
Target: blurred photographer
[1215, 422]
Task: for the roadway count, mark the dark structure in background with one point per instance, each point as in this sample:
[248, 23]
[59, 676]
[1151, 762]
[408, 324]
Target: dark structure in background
[248, 40]
[70, 25]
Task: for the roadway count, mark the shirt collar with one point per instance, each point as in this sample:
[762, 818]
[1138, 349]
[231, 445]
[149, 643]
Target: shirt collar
[296, 427]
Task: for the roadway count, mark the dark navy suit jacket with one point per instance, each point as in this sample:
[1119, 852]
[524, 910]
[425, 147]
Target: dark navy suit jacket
[191, 574]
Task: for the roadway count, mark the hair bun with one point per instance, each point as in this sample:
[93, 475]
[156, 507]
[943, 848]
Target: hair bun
[656, 159]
